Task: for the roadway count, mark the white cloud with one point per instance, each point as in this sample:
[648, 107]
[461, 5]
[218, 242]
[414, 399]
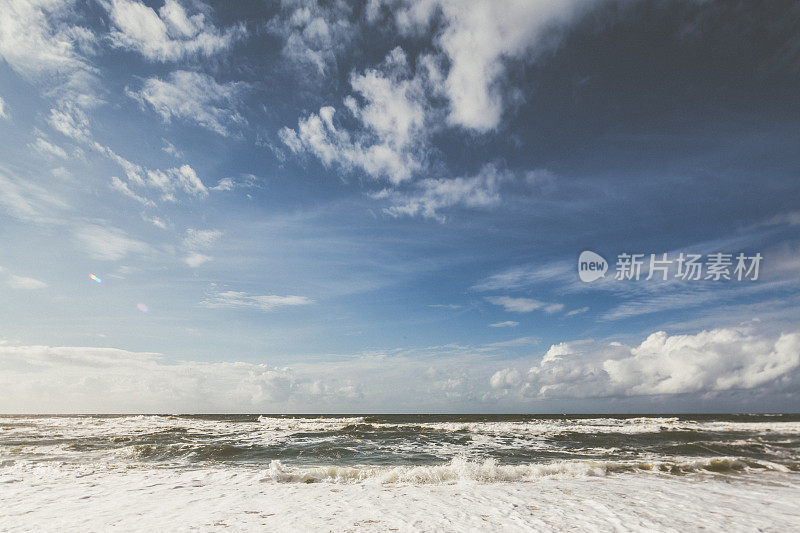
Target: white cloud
[199, 240]
[70, 120]
[156, 221]
[194, 97]
[183, 177]
[523, 305]
[119, 185]
[21, 282]
[3, 110]
[108, 243]
[265, 302]
[504, 324]
[167, 182]
[170, 34]
[84, 379]
[525, 276]
[245, 181]
[170, 149]
[88, 379]
[38, 43]
[576, 311]
[48, 149]
[195, 259]
[506, 378]
[479, 37]
[27, 201]
[710, 361]
[553, 308]
[314, 33]
[391, 111]
[430, 196]
[196, 238]
[78, 379]
[225, 184]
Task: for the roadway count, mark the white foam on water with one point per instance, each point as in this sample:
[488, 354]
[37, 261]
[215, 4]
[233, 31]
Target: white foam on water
[460, 496]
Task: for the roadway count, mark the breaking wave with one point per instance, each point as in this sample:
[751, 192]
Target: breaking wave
[461, 469]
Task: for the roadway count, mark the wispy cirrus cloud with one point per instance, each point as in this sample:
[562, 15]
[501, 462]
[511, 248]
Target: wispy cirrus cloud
[197, 240]
[525, 276]
[505, 324]
[523, 305]
[262, 302]
[25, 283]
[28, 201]
[194, 97]
[48, 149]
[108, 243]
[430, 196]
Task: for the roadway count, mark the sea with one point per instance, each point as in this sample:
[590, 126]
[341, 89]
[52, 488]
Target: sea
[197, 472]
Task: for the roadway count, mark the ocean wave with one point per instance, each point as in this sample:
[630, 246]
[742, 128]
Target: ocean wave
[461, 469]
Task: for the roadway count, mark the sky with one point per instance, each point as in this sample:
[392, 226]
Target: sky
[379, 206]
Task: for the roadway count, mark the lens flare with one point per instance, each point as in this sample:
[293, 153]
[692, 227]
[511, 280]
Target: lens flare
[141, 307]
[95, 278]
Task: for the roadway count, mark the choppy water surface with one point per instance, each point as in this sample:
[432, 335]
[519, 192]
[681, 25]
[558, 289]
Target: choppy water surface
[417, 447]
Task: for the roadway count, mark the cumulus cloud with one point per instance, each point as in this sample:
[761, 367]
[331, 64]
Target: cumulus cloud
[263, 302]
[460, 81]
[86, 379]
[171, 33]
[710, 361]
[3, 109]
[479, 37]
[48, 379]
[108, 243]
[506, 378]
[475, 42]
[194, 97]
[89, 379]
[313, 32]
[389, 105]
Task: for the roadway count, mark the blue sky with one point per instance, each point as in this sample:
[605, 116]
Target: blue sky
[306, 206]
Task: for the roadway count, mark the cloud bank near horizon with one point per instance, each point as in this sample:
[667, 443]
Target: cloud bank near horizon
[50, 379]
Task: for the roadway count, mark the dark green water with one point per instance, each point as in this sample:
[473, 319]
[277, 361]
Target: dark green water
[677, 444]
